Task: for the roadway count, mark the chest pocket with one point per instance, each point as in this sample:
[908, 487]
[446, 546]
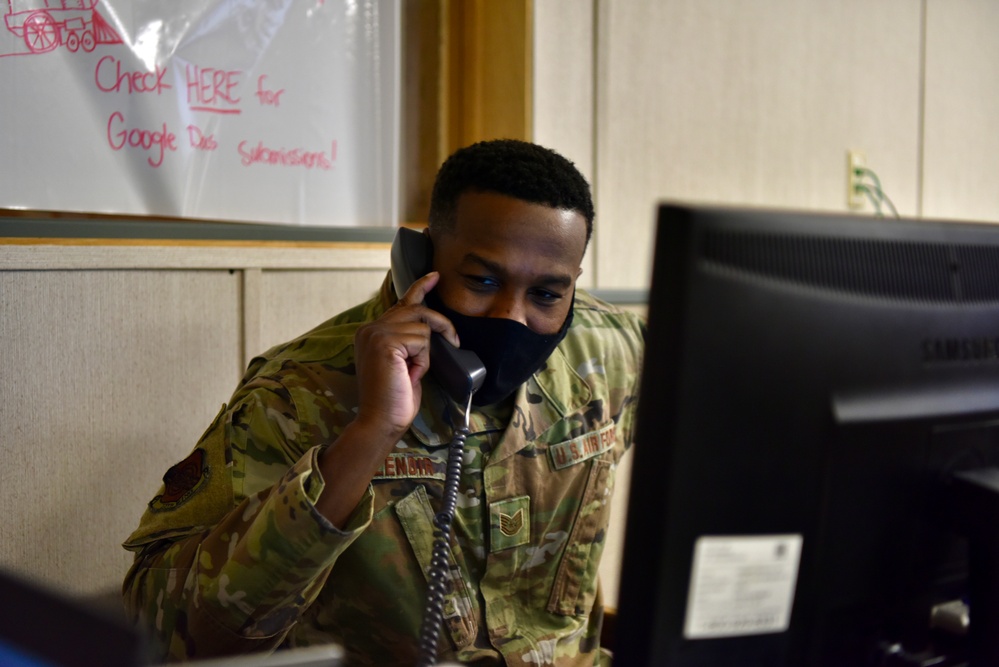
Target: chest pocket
[460, 610]
[574, 588]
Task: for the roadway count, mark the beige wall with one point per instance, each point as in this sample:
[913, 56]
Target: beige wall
[564, 88]
[757, 102]
[960, 138]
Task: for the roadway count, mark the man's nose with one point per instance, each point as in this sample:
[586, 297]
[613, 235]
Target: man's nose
[509, 307]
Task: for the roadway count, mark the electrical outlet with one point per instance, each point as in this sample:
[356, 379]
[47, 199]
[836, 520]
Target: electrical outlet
[855, 163]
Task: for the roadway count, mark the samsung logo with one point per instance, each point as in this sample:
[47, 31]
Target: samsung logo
[937, 350]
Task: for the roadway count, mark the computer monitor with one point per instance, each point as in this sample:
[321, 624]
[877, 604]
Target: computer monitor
[818, 423]
[40, 627]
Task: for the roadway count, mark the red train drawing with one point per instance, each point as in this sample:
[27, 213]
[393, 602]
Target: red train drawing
[45, 24]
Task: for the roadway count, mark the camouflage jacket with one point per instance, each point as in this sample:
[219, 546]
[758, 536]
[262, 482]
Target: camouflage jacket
[231, 555]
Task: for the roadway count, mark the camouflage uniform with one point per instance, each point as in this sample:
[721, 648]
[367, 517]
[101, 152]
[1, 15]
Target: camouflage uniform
[232, 556]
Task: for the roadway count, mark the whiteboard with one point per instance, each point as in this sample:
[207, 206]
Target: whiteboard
[279, 111]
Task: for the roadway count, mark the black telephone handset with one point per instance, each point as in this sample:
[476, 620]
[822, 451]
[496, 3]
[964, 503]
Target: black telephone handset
[459, 372]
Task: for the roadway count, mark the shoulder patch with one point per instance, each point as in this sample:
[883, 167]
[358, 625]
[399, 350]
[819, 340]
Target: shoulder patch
[182, 481]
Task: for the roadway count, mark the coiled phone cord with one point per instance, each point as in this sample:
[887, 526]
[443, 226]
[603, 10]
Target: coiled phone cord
[433, 614]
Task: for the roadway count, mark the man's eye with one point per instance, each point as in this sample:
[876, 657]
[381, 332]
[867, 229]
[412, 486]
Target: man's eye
[481, 282]
[546, 298]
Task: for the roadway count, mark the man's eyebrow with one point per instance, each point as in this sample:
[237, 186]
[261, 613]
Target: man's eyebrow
[552, 279]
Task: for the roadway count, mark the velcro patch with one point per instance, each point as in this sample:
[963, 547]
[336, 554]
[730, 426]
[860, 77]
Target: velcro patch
[182, 481]
[583, 448]
[411, 466]
[509, 523]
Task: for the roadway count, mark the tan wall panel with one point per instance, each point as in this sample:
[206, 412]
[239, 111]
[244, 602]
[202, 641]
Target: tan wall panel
[109, 377]
[961, 129]
[292, 302]
[562, 80]
[749, 103]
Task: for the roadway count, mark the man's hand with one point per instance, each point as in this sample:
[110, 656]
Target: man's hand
[392, 354]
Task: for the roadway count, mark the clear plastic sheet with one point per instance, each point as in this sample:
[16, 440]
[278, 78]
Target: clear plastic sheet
[282, 111]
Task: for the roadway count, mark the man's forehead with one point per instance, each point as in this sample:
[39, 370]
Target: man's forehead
[493, 217]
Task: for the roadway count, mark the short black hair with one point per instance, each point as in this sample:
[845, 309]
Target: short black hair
[514, 168]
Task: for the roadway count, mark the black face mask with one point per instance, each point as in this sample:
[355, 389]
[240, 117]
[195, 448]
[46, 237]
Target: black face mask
[510, 351]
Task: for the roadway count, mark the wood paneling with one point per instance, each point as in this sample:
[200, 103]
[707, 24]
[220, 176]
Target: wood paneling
[424, 104]
[468, 68]
[489, 59]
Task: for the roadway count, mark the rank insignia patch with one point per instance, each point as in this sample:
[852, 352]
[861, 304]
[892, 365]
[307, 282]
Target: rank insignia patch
[509, 523]
[182, 481]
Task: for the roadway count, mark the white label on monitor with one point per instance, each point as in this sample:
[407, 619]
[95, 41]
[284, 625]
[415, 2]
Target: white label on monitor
[741, 585]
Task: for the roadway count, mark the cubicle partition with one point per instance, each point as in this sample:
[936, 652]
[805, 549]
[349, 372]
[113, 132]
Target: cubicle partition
[117, 351]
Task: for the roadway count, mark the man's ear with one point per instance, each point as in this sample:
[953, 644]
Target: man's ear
[430, 237]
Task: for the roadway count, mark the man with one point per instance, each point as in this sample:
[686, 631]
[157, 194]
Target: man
[305, 513]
